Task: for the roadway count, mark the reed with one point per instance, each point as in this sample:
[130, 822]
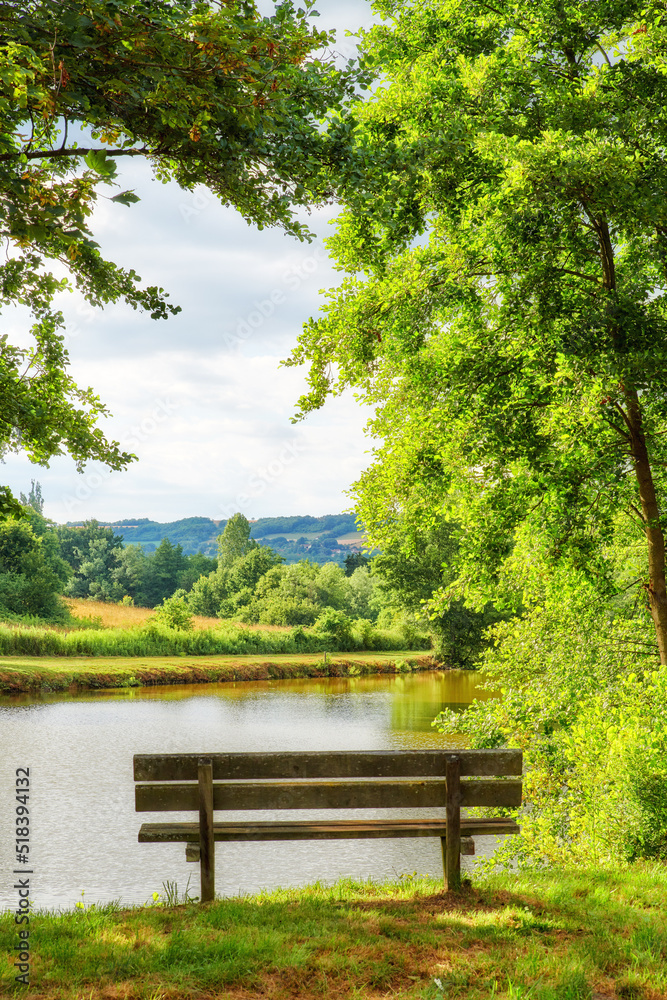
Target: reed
[152, 639]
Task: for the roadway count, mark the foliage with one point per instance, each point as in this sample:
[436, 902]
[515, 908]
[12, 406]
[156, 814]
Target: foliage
[157, 639]
[161, 576]
[93, 552]
[415, 567]
[174, 613]
[104, 570]
[234, 542]
[208, 93]
[580, 694]
[34, 498]
[197, 565]
[336, 626]
[504, 233]
[32, 573]
[251, 584]
[337, 524]
[353, 561]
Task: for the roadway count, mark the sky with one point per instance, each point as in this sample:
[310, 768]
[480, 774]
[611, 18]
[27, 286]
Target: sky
[201, 398]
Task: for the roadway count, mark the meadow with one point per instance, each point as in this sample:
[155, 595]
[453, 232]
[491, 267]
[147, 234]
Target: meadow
[589, 935]
[110, 615]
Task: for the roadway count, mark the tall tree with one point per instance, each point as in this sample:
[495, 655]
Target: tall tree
[234, 542]
[209, 92]
[516, 351]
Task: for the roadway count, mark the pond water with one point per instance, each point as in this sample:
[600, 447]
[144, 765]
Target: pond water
[79, 749]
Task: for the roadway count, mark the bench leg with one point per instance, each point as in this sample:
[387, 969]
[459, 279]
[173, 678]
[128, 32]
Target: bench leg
[206, 839]
[452, 844]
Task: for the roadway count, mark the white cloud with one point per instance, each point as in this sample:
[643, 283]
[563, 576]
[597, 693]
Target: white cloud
[200, 398]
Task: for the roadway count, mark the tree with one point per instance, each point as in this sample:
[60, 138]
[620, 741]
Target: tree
[197, 565]
[234, 542]
[32, 574]
[93, 553]
[161, 574]
[517, 350]
[131, 572]
[353, 561]
[174, 613]
[416, 566]
[208, 92]
[34, 498]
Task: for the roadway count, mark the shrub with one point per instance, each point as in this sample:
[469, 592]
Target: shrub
[336, 627]
[580, 693]
[174, 613]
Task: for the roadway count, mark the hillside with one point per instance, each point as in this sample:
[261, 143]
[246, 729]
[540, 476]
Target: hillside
[322, 539]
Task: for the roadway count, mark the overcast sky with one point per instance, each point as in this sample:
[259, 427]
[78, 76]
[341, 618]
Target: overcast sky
[200, 398]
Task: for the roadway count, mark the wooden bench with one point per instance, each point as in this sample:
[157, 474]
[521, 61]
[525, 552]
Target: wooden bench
[377, 779]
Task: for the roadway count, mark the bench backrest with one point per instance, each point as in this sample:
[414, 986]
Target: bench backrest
[328, 780]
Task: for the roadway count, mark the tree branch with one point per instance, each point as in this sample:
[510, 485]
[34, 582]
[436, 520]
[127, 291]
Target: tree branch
[48, 154]
[598, 46]
[578, 274]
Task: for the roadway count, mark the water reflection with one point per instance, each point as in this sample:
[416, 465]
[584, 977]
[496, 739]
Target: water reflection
[79, 748]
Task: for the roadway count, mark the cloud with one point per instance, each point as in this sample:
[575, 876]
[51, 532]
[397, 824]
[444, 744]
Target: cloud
[200, 398]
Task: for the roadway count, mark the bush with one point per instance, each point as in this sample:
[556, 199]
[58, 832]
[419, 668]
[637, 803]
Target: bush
[174, 613]
[335, 627]
[584, 699]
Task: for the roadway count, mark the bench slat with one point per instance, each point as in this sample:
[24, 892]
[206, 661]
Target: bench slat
[360, 793]
[153, 833]
[325, 764]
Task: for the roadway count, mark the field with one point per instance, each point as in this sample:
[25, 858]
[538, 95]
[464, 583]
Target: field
[124, 616]
[587, 935]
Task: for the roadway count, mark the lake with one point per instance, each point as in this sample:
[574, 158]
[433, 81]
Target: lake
[79, 749]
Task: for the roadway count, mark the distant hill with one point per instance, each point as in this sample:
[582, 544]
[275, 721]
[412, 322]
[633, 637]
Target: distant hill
[323, 539]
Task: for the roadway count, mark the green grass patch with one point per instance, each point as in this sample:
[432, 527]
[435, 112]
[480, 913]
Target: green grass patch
[62, 673]
[153, 638]
[544, 936]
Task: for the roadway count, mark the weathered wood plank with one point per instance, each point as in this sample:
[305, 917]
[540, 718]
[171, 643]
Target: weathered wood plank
[355, 793]
[467, 845]
[452, 842]
[192, 852]
[206, 838]
[325, 764]
[153, 833]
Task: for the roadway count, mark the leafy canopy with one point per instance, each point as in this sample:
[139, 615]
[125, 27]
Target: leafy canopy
[505, 304]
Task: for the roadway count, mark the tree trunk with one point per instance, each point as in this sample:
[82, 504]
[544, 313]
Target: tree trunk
[656, 588]
[655, 539]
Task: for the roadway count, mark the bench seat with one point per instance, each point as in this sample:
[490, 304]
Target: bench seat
[159, 833]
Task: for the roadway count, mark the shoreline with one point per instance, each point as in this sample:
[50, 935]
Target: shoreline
[41, 674]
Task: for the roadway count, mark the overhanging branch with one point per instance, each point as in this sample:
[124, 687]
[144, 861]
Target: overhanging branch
[50, 154]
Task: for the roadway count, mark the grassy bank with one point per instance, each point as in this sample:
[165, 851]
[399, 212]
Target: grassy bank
[58, 673]
[547, 936]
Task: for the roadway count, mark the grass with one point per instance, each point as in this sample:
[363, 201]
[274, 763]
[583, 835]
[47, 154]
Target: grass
[533, 936]
[60, 673]
[127, 616]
